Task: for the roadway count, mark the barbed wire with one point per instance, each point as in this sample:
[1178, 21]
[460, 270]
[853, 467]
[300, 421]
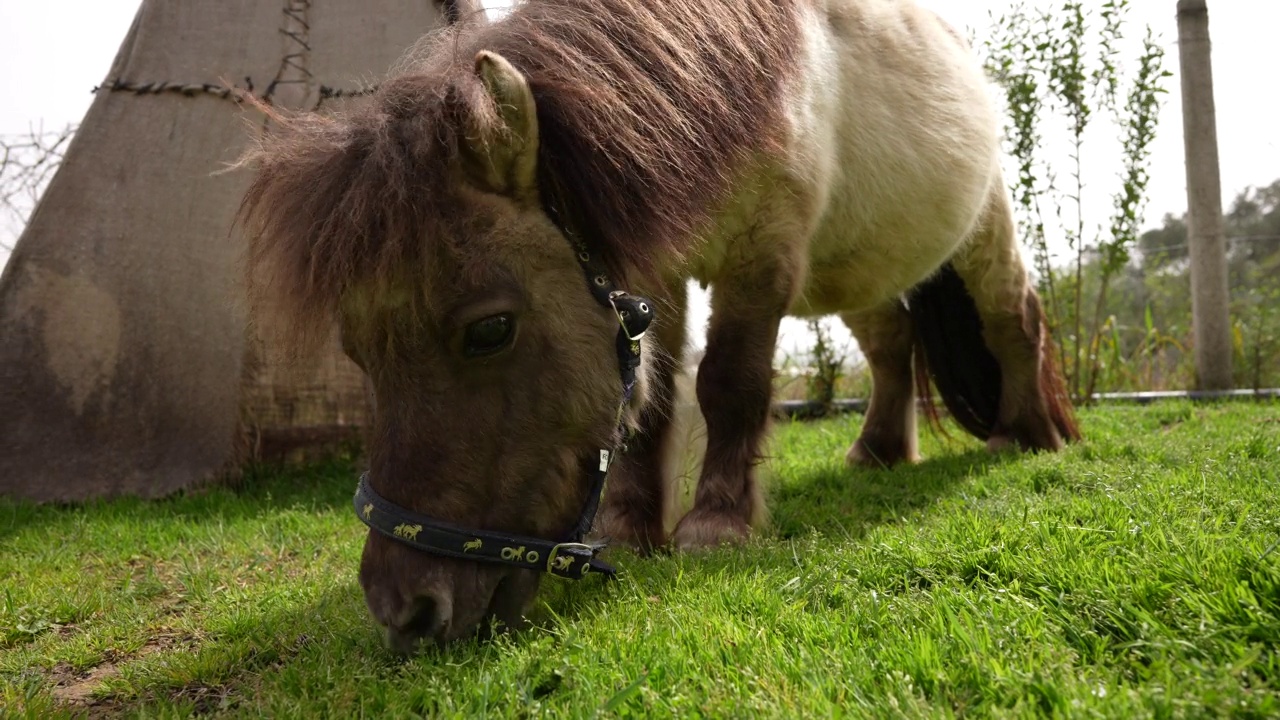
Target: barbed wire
[1229, 239]
[232, 93]
[189, 89]
[294, 70]
[29, 160]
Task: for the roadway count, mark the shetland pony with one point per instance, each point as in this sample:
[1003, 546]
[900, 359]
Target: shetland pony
[800, 157]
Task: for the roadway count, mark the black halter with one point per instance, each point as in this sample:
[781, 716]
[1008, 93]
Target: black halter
[569, 558]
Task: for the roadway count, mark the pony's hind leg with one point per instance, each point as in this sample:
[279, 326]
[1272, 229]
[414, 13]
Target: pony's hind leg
[1033, 411]
[889, 433]
[632, 512]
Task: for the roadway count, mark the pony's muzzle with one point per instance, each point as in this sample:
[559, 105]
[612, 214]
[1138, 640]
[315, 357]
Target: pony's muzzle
[428, 617]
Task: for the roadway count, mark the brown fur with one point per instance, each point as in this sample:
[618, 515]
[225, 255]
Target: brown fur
[734, 389]
[644, 108]
[1033, 411]
[1053, 386]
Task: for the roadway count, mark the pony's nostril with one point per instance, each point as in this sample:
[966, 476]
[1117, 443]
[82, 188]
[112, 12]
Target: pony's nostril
[428, 619]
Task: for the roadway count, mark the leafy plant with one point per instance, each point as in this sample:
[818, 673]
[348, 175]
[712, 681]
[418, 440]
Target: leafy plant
[1059, 70]
[1256, 325]
[827, 364]
[22, 624]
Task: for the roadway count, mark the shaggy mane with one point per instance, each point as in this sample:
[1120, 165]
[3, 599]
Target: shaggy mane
[646, 111]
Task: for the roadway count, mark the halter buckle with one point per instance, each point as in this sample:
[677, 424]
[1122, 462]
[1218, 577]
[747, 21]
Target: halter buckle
[577, 549]
[634, 313]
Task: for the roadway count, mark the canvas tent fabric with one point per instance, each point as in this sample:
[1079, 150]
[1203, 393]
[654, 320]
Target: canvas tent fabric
[127, 365]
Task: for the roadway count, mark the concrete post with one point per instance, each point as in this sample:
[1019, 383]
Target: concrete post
[1209, 291]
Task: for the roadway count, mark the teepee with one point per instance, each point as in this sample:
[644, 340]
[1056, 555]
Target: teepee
[127, 362]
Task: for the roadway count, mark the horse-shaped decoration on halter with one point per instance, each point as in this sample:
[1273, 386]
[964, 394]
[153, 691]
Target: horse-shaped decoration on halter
[503, 234]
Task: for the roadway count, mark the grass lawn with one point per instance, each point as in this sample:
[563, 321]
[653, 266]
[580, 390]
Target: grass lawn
[1131, 576]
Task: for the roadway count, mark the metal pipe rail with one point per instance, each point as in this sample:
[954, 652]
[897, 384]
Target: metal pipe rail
[806, 409]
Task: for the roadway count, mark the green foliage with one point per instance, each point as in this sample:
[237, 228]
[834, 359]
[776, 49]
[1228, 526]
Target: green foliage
[1162, 281]
[1059, 69]
[823, 371]
[827, 364]
[1129, 576]
[1255, 325]
[1253, 260]
[1144, 342]
[1122, 320]
[1165, 245]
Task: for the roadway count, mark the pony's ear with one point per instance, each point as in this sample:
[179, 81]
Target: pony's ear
[506, 161]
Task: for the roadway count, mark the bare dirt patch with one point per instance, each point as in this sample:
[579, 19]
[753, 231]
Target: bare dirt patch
[76, 689]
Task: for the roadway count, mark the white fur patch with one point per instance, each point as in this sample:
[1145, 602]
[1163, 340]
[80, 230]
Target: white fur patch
[893, 152]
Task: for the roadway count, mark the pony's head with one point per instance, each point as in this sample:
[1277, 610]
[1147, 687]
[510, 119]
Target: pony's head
[417, 226]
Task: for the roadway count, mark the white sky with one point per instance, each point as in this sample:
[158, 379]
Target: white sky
[52, 54]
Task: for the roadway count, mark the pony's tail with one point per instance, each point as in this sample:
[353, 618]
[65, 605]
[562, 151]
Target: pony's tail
[950, 351]
[1053, 386]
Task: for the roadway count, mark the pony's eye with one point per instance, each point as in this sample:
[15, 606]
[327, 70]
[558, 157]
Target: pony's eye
[488, 335]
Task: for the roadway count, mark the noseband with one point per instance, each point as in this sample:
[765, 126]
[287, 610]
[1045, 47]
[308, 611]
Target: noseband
[570, 557]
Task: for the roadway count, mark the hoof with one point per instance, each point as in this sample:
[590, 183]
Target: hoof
[1030, 438]
[867, 455]
[701, 530]
[999, 444]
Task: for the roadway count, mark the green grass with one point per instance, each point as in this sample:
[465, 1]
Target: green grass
[1126, 577]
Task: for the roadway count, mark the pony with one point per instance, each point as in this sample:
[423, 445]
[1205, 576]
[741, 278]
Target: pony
[797, 157]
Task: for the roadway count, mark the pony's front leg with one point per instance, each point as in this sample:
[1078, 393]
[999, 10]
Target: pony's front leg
[734, 387]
